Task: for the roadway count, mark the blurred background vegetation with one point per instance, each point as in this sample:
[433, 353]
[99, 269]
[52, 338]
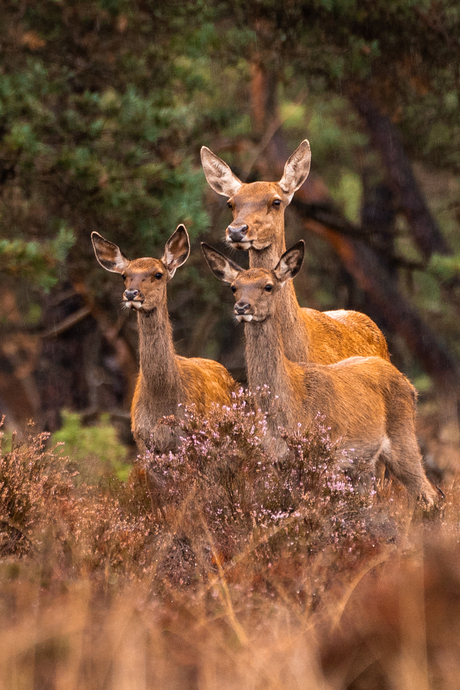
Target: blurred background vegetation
[104, 106]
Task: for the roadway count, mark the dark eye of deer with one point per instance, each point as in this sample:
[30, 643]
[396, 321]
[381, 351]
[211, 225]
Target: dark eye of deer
[233, 288]
[158, 276]
[277, 202]
[229, 204]
[268, 288]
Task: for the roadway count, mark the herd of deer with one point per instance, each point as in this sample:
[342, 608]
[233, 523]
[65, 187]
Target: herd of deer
[334, 364]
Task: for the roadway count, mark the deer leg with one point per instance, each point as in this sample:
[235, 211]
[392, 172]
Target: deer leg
[404, 460]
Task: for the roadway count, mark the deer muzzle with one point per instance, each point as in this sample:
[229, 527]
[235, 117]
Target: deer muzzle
[237, 233]
[242, 311]
[132, 299]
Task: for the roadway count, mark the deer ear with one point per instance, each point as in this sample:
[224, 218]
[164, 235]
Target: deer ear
[296, 169]
[224, 269]
[177, 250]
[218, 174]
[290, 263]
[108, 254]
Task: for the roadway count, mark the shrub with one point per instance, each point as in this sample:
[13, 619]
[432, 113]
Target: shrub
[228, 502]
[220, 505]
[31, 477]
[95, 449]
[70, 526]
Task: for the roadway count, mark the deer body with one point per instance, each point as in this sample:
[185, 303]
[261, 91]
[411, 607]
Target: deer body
[367, 403]
[258, 226]
[165, 379]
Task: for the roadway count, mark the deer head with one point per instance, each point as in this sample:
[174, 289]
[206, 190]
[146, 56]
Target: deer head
[146, 278]
[255, 289]
[257, 207]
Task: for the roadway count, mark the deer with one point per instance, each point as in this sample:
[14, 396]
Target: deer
[368, 405]
[166, 380]
[258, 226]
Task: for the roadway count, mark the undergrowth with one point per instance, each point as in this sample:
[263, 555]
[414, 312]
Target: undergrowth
[95, 450]
[220, 500]
[218, 530]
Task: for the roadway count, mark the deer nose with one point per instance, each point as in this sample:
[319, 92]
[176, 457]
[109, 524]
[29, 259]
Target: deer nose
[236, 233]
[242, 307]
[131, 295]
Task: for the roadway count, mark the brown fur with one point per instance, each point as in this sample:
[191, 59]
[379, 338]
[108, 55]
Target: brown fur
[308, 335]
[367, 403]
[165, 379]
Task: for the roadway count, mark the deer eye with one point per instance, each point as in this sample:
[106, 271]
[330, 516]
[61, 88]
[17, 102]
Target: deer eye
[233, 288]
[229, 204]
[158, 276]
[268, 288]
[276, 202]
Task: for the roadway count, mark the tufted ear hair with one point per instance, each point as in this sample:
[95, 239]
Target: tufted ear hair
[177, 250]
[297, 169]
[219, 174]
[290, 263]
[109, 254]
[223, 268]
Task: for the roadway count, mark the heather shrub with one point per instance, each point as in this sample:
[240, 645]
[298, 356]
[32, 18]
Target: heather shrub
[227, 503]
[218, 565]
[220, 505]
[71, 527]
[32, 477]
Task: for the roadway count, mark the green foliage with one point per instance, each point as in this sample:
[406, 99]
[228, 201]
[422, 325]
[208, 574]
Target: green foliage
[95, 449]
[37, 262]
[444, 267]
[118, 149]
[349, 195]
[334, 131]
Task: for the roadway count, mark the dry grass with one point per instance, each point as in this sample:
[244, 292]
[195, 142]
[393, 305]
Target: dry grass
[216, 568]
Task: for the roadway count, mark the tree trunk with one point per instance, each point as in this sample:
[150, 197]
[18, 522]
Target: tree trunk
[387, 141]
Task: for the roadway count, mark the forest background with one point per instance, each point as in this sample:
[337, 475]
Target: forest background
[216, 567]
[104, 106]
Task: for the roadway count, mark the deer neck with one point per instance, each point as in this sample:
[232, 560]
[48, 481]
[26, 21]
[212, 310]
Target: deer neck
[158, 365]
[288, 312]
[267, 258]
[267, 366]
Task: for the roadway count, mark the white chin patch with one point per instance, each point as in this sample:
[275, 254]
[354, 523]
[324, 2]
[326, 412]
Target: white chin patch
[240, 245]
[247, 317]
[133, 305]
